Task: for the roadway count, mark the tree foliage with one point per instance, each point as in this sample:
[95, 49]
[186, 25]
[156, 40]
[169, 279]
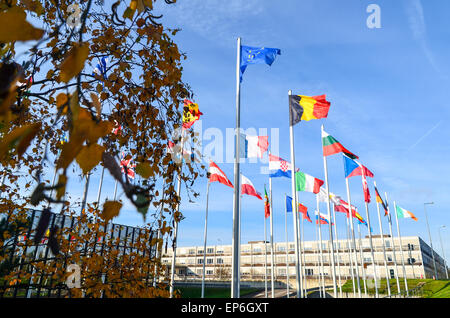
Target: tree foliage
[48, 88]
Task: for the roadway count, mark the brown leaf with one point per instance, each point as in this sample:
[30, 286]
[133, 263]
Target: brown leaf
[14, 27]
[20, 138]
[74, 62]
[89, 157]
[97, 105]
[111, 209]
[144, 170]
[62, 180]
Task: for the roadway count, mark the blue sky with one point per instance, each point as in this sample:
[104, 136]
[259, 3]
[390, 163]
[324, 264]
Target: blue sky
[388, 94]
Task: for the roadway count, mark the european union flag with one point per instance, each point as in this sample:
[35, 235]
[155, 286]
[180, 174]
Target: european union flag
[288, 204]
[255, 55]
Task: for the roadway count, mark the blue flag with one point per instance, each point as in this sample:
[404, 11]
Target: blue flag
[255, 55]
[288, 204]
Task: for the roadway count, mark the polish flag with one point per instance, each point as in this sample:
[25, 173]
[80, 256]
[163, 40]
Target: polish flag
[248, 188]
[216, 174]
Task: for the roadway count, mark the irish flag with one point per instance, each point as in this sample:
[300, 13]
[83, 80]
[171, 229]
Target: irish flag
[331, 146]
[404, 214]
[307, 183]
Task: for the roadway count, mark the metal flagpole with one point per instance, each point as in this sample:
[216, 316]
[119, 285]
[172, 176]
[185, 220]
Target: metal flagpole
[300, 244]
[431, 242]
[384, 248]
[205, 238]
[100, 187]
[265, 255]
[302, 241]
[352, 230]
[240, 208]
[236, 211]
[350, 258]
[393, 244]
[337, 248]
[322, 270]
[298, 264]
[442, 247]
[86, 187]
[115, 191]
[401, 249]
[371, 251]
[287, 246]
[318, 263]
[329, 219]
[159, 235]
[175, 233]
[361, 258]
[272, 260]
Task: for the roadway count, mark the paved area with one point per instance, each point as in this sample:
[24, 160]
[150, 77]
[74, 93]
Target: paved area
[281, 293]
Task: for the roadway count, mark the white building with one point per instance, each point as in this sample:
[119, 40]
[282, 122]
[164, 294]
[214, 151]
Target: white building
[416, 256]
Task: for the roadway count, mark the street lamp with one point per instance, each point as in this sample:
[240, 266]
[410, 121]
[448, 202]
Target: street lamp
[442, 246]
[431, 242]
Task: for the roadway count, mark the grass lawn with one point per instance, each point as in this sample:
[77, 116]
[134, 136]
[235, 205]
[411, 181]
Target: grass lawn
[431, 289]
[195, 292]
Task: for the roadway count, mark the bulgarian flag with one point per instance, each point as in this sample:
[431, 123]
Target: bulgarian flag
[404, 214]
[216, 174]
[307, 183]
[266, 204]
[331, 146]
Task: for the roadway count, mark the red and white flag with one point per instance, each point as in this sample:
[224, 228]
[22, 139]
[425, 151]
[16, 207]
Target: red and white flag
[127, 163]
[216, 174]
[248, 188]
[117, 128]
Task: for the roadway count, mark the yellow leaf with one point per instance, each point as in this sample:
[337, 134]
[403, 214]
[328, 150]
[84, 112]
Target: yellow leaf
[97, 105]
[61, 101]
[69, 151]
[20, 138]
[74, 62]
[14, 27]
[144, 170]
[62, 180]
[89, 157]
[111, 209]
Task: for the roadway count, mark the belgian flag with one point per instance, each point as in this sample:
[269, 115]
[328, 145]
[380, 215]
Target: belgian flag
[380, 200]
[307, 108]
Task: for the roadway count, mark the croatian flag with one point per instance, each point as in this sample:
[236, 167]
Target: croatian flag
[279, 167]
[248, 188]
[253, 146]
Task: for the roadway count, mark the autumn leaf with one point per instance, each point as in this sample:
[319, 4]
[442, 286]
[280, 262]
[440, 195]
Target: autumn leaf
[74, 62]
[20, 138]
[144, 170]
[111, 209]
[60, 191]
[89, 157]
[97, 105]
[61, 101]
[14, 27]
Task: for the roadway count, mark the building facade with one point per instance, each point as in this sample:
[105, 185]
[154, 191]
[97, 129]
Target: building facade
[414, 253]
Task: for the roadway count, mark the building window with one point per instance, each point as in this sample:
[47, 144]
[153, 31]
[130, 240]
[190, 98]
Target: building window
[309, 272]
[191, 251]
[388, 244]
[391, 272]
[181, 272]
[210, 250]
[257, 249]
[389, 258]
[200, 252]
[209, 261]
[220, 261]
[281, 248]
[200, 261]
[209, 272]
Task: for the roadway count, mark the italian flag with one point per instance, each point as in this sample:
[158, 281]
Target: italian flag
[331, 146]
[404, 214]
[307, 183]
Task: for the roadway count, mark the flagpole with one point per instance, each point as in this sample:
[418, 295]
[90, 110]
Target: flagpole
[393, 244]
[371, 251]
[361, 258]
[115, 190]
[100, 187]
[272, 275]
[298, 265]
[159, 235]
[329, 219]
[322, 270]
[319, 281]
[239, 245]
[350, 254]
[287, 246]
[337, 248]
[352, 230]
[205, 238]
[401, 249]
[265, 255]
[304, 256]
[382, 242]
[300, 244]
[86, 187]
[236, 211]
[175, 233]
